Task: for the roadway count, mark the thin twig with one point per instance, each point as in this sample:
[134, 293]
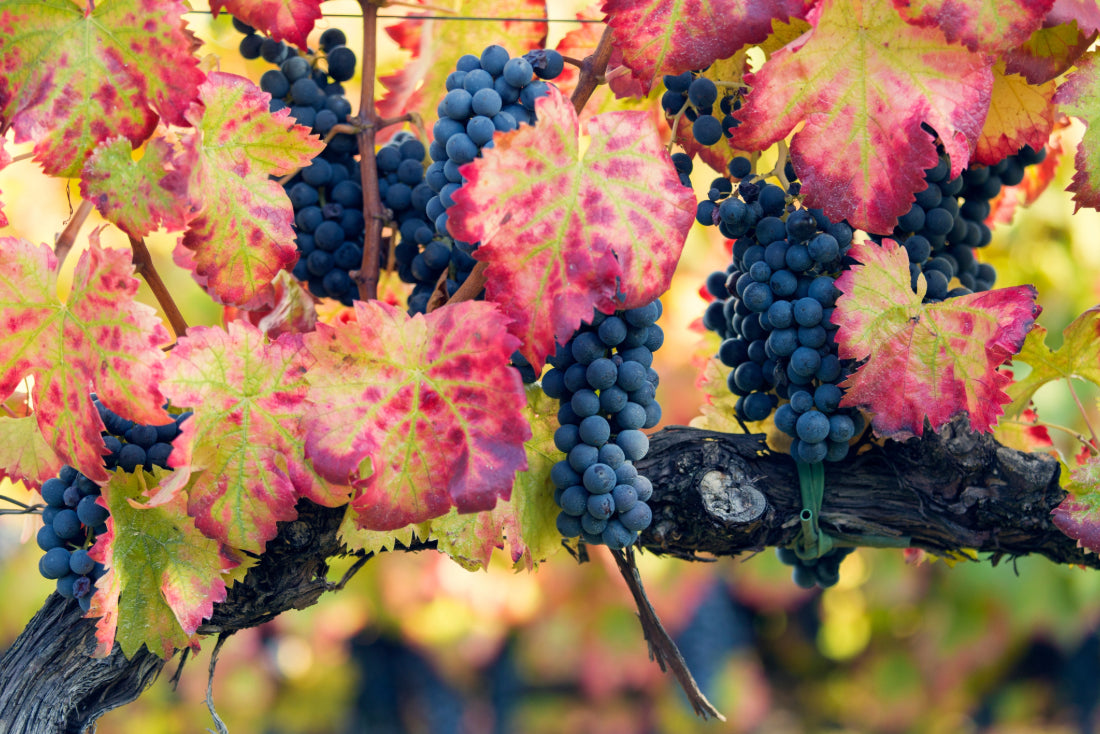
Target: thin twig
[184, 657]
[473, 286]
[68, 235]
[218, 723]
[367, 277]
[143, 265]
[21, 157]
[592, 70]
[1084, 414]
[661, 647]
[359, 563]
[25, 506]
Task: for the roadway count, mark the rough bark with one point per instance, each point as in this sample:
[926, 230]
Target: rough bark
[715, 495]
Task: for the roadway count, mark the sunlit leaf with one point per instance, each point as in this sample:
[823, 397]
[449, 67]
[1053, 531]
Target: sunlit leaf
[242, 451]
[861, 83]
[163, 575]
[291, 20]
[1078, 357]
[1048, 52]
[924, 361]
[422, 413]
[99, 340]
[1079, 95]
[74, 76]
[991, 26]
[1019, 114]
[575, 231]
[243, 236]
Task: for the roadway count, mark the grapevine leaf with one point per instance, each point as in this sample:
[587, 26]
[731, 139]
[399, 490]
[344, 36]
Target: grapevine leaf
[243, 236]
[1079, 356]
[1026, 434]
[672, 36]
[242, 449]
[1085, 12]
[1036, 178]
[356, 538]
[1079, 95]
[719, 411]
[5, 160]
[1048, 52]
[469, 539]
[1079, 518]
[436, 47]
[581, 43]
[289, 20]
[575, 231]
[112, 68]
[24, 452]
[163, 575]
[294, 310]
[861, 83]
[99, 339]
[924, 361]
[1019, 114]
[420, 413]
[140, 196]
[991, 26]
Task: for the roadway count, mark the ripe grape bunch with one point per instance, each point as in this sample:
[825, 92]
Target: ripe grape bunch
[327, 195]
[606, 385]
[73, 517]
[693, 96]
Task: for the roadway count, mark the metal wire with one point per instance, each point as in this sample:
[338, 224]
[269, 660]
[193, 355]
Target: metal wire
[445, 17]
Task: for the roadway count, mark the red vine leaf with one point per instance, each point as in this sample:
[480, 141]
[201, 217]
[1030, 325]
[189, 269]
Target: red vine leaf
[1019, 114]
[861, 82]
[243, 235]
[1025, 434]
[114, 67]
[24, 452]
[5, 160]
[1085, 12]
[294, 311]
[140, 196]
[100, 339]
[289, 20]
[575, 231]
[241, 455]
[1079, 95]
[1048, 52]
[436, 47]
[163, 575]
[1078, 357]
[421, 414]
[991, 26]
[666, 37]
[925, 361]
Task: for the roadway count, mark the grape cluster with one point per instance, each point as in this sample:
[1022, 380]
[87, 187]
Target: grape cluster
[946, 224]
[773, 308]
[327, 195]
[695, 96]
[73, 517]
[606, 385]
[823, 571]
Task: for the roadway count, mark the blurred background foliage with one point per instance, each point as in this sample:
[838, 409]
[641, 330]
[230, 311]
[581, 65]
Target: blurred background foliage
[416, 645]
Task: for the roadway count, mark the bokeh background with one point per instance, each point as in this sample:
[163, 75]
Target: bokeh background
[416, 644]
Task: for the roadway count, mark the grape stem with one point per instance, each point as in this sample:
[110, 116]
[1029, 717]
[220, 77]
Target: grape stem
[579, 63]
[21, 157]
[592, 70]
[68, 235]
[675, 126]
[27, 509]
[218, 723]
[474, 284]
[143, 266]
[1084, 413]
[367, 276]
[1077, 435]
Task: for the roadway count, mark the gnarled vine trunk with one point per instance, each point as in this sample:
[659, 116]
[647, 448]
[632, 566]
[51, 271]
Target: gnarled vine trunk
[714, 494]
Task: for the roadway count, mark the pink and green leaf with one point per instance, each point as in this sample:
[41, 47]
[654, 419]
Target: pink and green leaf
[24, 452]
[1078, 357]
[163, 575]
[243, 236]
[140, 196]
[1085, 12]
[5, 160]
[100, 340]
[1049, 52]
[421, 414]
[436, 47]
[992, 26]
[1019, 114]
[1079, 95]
[289, 20]
[114, 67]
[241, 455]
[574, 230]
[861, 83]
[923, 361]
[1079, 514]
[672, 36]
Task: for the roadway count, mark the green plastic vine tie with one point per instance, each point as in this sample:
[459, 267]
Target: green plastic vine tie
[812, 542]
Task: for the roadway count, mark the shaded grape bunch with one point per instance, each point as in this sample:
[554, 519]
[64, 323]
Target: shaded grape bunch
[773, 307]
[823, 571]
[605, 383]
[696, 96]
[73, 519]
[327, 195]
[946, 225]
